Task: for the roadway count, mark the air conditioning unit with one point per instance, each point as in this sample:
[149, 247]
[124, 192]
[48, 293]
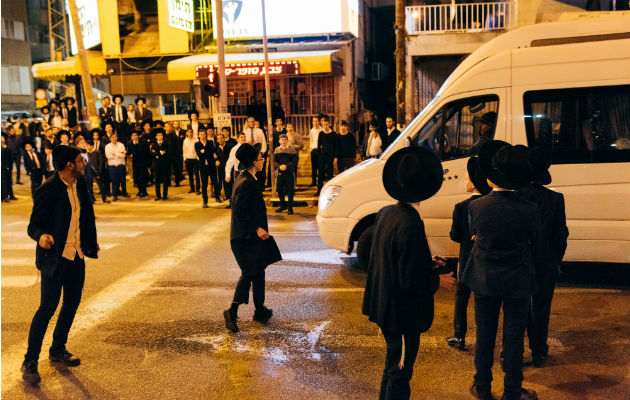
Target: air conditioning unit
[378, 71]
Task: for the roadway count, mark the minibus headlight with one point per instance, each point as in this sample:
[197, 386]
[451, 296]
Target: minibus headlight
[328, 196]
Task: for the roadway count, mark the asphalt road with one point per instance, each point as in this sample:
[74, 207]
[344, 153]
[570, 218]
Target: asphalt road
[150, 324]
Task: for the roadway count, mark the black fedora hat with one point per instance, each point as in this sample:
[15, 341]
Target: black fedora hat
[504, 165]
[155, 131]
[247, 154]
[45, 108]
[191, 112]
[489, 118]
[118, 96]
[141, 98]
[540, 161]
[412, 174]
[476, 176]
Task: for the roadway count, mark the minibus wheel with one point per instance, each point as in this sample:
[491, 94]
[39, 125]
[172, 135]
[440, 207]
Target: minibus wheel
[364, 245]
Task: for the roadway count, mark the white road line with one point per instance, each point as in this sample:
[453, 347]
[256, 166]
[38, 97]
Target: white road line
[135, 216]
[18, 223]
[326, 256]
[100, 306]
[17, 261]
[116, 234]
[118, 224]
[30, 245]
[19, 280]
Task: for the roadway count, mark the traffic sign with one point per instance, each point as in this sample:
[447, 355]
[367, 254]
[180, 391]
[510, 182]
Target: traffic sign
[222, 119]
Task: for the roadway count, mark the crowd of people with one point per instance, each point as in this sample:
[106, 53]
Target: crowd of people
[153, 152]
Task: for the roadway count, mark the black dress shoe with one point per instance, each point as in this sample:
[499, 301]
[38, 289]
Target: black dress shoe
[230, 321]
[526, 394]
[164, 198]
[191, 191]
[539, 361]
[290, 212]
[280, 209]
[458, 343]
[217, 199]
[157, 198]
[115, 198]
[482, 394]
[64, 357]
[205, 205]
[125, 195]
[262, 315]
[12, 197]
[106, 201]
[30, 373]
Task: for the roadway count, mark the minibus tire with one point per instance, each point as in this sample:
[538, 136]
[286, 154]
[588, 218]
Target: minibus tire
[364, 245]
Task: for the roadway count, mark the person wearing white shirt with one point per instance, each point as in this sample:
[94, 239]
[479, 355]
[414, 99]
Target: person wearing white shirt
[314, 135]
[115, 153]
[231, 167]
[253, 136]
[374, 146]
[192, 161]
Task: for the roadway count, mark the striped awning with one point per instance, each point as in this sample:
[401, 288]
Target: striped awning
[58, 70]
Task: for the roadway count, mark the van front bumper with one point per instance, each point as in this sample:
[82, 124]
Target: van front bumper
[335, 232]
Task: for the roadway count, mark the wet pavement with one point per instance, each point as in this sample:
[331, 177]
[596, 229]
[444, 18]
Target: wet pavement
[150, 324]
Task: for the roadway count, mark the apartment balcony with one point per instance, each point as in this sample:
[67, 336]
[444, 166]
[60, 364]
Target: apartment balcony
[456, 28]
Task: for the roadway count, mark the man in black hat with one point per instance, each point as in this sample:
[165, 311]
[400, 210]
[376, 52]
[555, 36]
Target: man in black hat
[140, 158]
[402, 277]
[160, 165]
[487, 123]
[46, 115]
[248, 230]
[119, 116]
[553, 243]
[62, 224]
[460, 232]
[285, 164]
[142, 113]
[500, 269]
[195, 125]
[33, 163]
[73, 115]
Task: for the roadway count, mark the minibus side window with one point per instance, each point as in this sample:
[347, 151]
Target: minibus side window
[583, 125]
[455, 129]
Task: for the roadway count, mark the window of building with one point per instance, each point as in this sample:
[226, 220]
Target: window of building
[311, 95]
[12, 29]
[16, 80]
[455, 128]
[584, 125]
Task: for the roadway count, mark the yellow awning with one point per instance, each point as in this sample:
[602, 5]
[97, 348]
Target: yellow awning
[58, 70]
[311, 62]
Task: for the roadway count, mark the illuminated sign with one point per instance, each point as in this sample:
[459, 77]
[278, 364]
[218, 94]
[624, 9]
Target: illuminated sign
[248, 69]
[243, 18]
[180, 15]
[88, 20]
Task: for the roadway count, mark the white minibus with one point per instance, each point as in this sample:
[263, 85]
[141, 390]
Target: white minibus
[562, 85]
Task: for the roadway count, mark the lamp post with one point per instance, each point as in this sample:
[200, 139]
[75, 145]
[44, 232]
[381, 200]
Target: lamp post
[268, 101]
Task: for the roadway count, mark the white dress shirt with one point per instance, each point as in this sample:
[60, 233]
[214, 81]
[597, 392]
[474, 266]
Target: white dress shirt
[314, 136]
[118, 113]
[73, 241]
[257, 135]
[115, 154]
[189, 149]
[232, 161]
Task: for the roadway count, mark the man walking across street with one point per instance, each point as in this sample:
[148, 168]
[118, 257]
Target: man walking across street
[62, 224]
[402, 277]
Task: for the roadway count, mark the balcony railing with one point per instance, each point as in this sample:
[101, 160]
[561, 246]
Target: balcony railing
[469, 17]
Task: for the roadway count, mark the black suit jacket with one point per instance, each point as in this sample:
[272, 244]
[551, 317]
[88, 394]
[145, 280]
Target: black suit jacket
[73, 117]
[30, 166]
[105, 115]
[460, 232]
[140, 154]
[146, 115]
[248, 214]
[160, 162]
[387, 139]
[401, 280]
[205, 154]
[553, 229]
[52, 213]
[222, 155]
[113, 113]
[501, 262]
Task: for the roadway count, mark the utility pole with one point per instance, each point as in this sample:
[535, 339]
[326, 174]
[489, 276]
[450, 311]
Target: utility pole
[57, 33]
[401, 53]
[268, 100]
[86, 78]
[221, 56]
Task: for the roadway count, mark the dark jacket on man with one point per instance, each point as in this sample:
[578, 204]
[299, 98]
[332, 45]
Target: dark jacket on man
[145, 116]
[248, 214]
[388, 138]
[401, 280]
[159, 161]
[460, 231]
[501, 262]
[105, 115]
[553, 229]
[347, 147]
[97, 162]
[30, 166]
[73, 116]
[140, 152]
[205, 154]
[51, 214]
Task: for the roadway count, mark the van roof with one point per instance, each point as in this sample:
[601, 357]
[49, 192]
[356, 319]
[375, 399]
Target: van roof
[571, 28]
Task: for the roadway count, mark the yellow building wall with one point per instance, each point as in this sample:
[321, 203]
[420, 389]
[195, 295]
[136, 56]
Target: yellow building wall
[108, 23]
[172, 40]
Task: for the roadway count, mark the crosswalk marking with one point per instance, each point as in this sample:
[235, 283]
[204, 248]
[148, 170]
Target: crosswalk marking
[326, 256]
[19, 280]
[17, 261]
[119, 224]
[30, 245]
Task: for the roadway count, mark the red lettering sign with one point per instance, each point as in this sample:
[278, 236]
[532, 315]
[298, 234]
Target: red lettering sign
[249, 69]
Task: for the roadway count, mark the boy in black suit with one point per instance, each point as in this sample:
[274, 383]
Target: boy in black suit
[160, 165]
[97, 164]
[500, 271]
[553, 243]
[460, 232]
[33, 163]
[402, 277]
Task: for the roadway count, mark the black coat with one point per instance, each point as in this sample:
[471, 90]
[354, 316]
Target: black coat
[248, 214]
[401, 280]
[146, 116]
[460, 232]
[388, 139]
[159, 161]
[205, 154]
[30, 166]
[97, 162]
[52, 213]
[553, 232]
[73, 116]
[105, 115]
[501, 261]
[140, 154]
[222, 155]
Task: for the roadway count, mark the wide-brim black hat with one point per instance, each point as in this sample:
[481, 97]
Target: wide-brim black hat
[412, 174]
[120, 96]
[540, 160]
[45, 108]
[67, 99]
[191, 112]
[158, 130]
[98, 130]
[504, 165]
[28, 141]
[476, 176]
[247, 154]
[141, 98]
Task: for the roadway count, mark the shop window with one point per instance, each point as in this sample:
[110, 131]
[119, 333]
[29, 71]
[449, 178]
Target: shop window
[584, 125]
[454, 129]
[312, 95]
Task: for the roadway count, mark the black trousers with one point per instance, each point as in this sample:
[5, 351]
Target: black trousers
[101, 186]
[141, 177]
[117, 176]
[460, 316]
[286, 188]
[257, 282]
[203, 170]
[214, 179]
[16, 158]
[314, 164]
[69, 276]
[395, 381]
[106, 180]
[7, 184]
[325, 170]
[176, 165]
[192, 167]
[162, 180]
[538, 321]
[37, 177]
[221, 183]
[344, 164]
[514, 321]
